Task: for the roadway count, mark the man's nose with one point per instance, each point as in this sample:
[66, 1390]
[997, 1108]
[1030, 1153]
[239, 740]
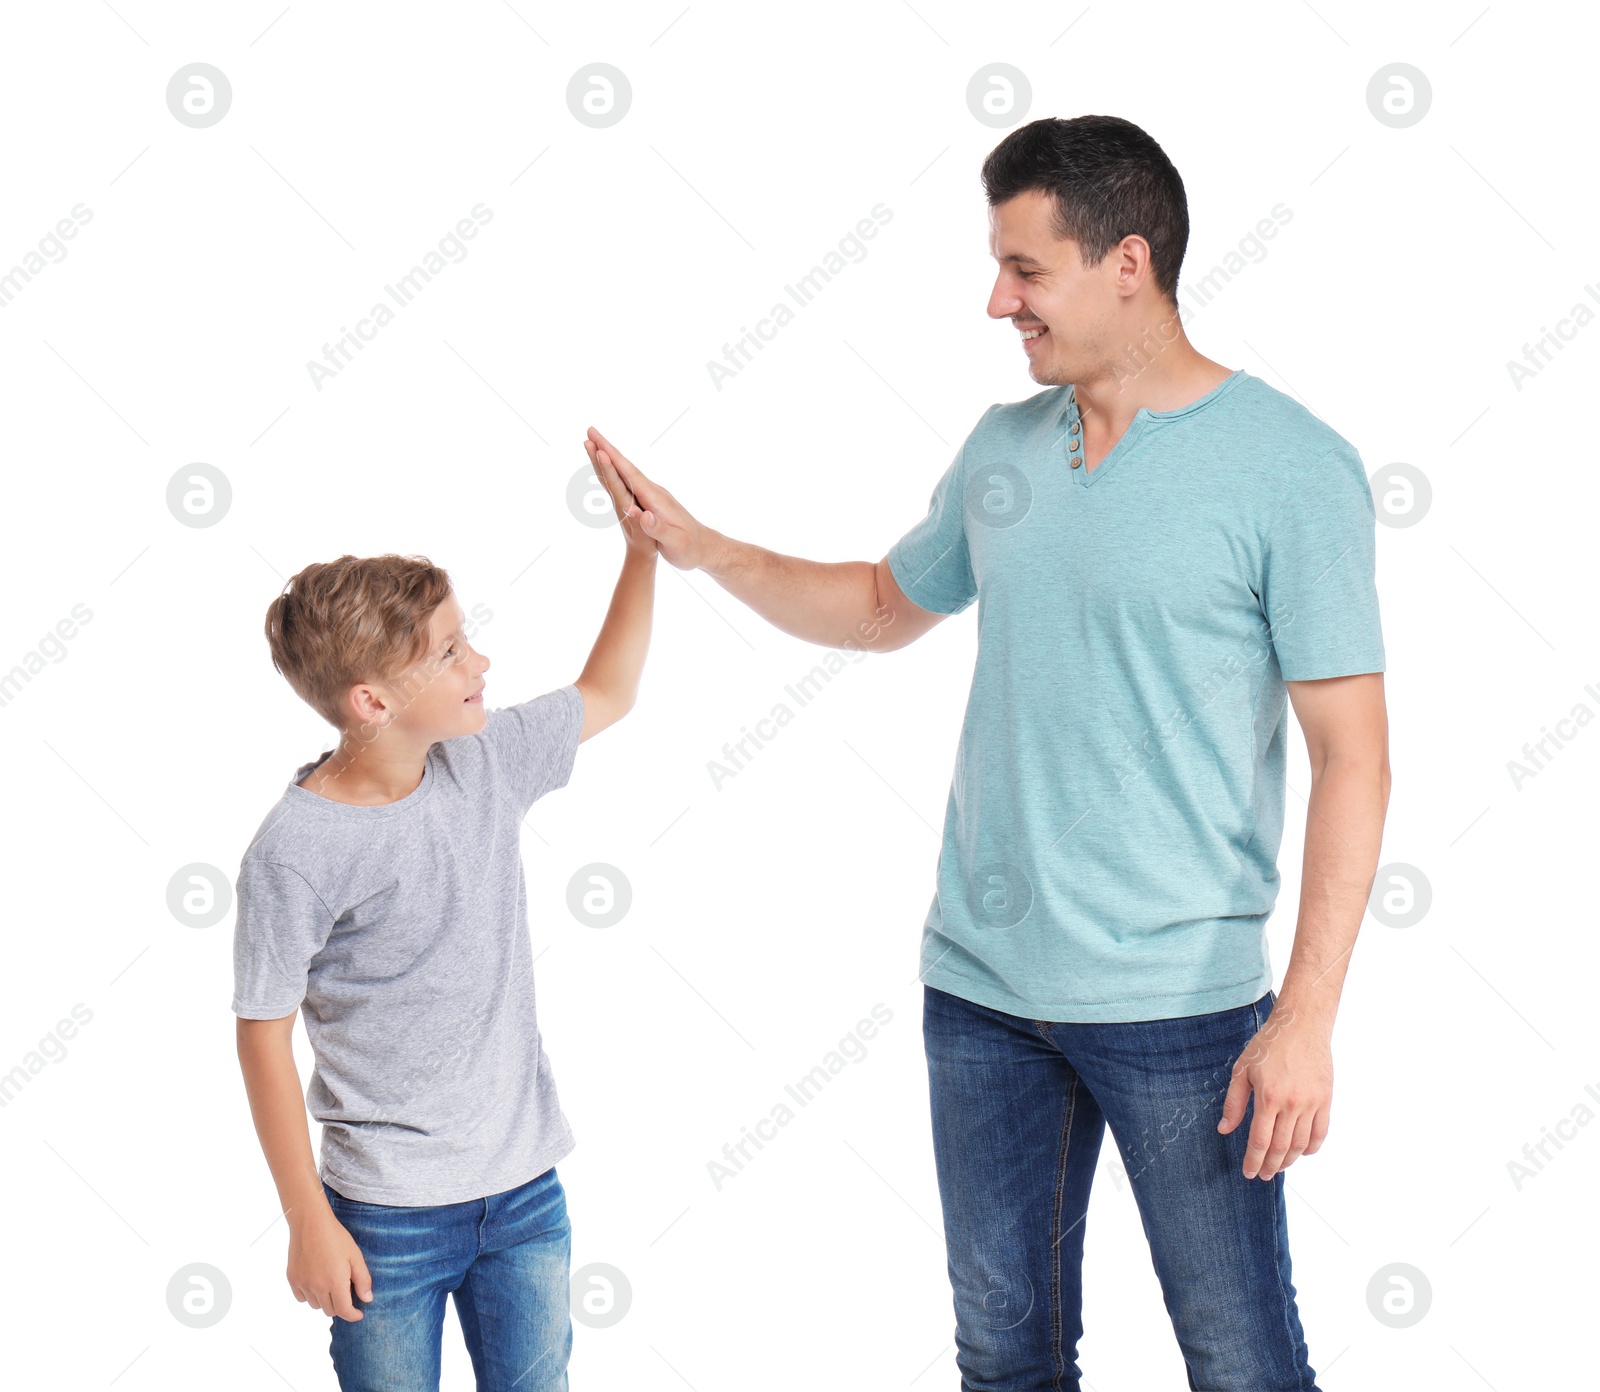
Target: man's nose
[1004, 303]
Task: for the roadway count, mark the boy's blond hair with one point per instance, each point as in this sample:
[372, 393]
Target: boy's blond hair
[339, 623]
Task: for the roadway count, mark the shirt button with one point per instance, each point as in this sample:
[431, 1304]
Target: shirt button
[1076, 462]
[1073, 427]
[1072, 445]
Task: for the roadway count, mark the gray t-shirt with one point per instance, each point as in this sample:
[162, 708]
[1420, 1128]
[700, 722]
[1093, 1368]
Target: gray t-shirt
[401, 934]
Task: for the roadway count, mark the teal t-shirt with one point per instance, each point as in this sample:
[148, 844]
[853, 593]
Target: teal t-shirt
[1111, 839]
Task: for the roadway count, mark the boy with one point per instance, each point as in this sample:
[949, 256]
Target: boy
[383, 898]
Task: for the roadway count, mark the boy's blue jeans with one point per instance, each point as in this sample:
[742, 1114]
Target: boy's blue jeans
[1019, 1107]
[504, 1257]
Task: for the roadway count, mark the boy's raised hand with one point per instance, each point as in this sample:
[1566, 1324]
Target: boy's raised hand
[628, 511]
[662, 518]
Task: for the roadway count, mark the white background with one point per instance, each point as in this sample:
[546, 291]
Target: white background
[769, 916]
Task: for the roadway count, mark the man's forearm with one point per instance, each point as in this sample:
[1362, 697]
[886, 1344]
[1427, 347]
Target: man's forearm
[1344, 831]
[832, 603]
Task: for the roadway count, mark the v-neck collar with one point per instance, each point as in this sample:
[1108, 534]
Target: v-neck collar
[1072, 429]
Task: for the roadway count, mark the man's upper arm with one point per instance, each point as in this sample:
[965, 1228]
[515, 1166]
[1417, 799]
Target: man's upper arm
[898, 619]
[927, 574]
[1342, 718]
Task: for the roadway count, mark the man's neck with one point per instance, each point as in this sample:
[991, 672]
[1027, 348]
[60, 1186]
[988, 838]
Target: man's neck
[1156, 376]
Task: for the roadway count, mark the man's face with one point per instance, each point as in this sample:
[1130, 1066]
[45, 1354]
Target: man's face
[1063, 309]
[441, 695]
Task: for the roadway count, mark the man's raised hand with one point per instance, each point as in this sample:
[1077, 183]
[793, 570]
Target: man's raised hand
[661, 517]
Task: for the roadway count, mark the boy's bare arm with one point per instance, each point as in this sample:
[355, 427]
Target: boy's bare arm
[609, 682]
[324, 1260]
[834, 604]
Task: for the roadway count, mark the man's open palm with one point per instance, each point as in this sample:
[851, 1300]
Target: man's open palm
[665, 520]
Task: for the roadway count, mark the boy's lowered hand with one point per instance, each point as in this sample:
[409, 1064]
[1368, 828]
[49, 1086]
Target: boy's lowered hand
[325, 1265]
[324, 1261]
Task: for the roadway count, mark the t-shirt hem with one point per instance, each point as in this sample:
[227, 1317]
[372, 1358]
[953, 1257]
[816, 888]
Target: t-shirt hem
[1101, 1012]
[934, 604]
[569, 752]
[418, 1198]
[1324, 671]
[263, 1012]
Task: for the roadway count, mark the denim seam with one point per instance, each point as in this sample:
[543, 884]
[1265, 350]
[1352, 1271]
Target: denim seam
[1277, 1251]
[1058, 1370]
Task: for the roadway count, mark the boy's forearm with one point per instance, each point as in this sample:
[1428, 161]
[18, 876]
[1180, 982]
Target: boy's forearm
[616, 661]
[273, 1085]
[831, 603]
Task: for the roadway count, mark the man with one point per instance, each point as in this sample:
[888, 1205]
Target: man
[1162, 552]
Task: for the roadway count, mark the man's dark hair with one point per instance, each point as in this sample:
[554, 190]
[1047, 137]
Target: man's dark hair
[1108, 179]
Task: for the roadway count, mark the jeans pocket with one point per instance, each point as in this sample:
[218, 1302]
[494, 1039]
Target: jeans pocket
[340, 1204]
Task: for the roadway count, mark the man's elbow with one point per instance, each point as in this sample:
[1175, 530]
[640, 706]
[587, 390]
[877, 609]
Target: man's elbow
[1355, 761]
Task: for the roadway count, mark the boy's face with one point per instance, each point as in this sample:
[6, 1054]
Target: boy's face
[441, 695]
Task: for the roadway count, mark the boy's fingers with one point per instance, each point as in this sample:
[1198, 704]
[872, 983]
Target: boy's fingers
[605, 446]
[630, 473]
[612, 482]
[361, 1278]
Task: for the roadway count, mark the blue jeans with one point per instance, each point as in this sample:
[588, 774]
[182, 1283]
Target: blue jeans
[504, 1258]
[1019, 1107]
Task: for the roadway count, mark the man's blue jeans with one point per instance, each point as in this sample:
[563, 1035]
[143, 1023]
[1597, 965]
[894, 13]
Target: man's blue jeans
[1019, 1107]
[504, 1257]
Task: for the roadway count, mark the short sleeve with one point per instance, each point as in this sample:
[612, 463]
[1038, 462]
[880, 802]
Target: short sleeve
[279, 925]
[931, 563]
[1318, 590]
[533, 744]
